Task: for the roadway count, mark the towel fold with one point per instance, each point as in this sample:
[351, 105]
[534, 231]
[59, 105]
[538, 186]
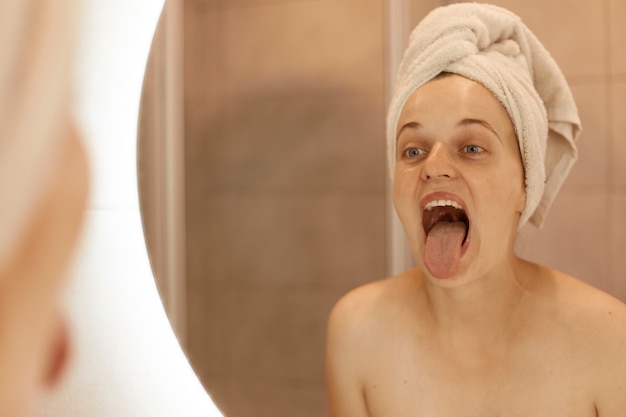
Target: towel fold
[492, 46]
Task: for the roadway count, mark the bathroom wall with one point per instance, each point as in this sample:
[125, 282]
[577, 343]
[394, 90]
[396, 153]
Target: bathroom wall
[286, 178]
[285, 190]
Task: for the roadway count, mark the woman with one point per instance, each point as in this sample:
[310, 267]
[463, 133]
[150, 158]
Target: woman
[481, 132]
[43, 183]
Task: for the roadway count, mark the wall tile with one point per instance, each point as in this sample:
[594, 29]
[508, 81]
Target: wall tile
[201, 53]
[278, 399]
[232, 4]
[420, 8]
[617, 235]
[200, 135]
[591, 169]
[574, 238]
[618, 144]
[201, 5]
[325, 40]
[210, 314]
[288, 241]
[291, 139]
[281, 334]
[574, 33]
[617, 16]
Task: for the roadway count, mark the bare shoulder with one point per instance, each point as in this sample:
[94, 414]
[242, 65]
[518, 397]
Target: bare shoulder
[364, 307]
[597, 323]
[591, 309]
[355, 328]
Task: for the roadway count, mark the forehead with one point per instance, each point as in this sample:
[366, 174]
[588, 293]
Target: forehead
[452, 98]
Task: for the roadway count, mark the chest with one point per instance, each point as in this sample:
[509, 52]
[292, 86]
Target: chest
[414, 382]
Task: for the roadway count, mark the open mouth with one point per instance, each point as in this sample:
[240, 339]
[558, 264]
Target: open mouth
[448, 211]
[447, 229]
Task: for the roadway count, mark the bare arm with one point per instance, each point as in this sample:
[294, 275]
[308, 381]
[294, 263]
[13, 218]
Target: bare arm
[344, 362]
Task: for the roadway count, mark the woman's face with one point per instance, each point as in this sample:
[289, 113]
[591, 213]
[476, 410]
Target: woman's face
[33, 337]
[458, 183]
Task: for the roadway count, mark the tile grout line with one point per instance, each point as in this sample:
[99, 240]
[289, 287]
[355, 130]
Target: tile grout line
[610, 132]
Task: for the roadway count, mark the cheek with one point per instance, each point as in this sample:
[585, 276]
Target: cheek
[508, 190]
[403, 197]
[403, 189]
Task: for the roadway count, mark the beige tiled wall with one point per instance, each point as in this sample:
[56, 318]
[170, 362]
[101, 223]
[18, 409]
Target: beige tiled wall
[286, 190]
[285, 169]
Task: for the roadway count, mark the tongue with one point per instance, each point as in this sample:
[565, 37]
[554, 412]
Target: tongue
[443, 248]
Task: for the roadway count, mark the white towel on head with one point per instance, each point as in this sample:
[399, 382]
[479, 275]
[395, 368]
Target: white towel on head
[36, 38]
[492, 46]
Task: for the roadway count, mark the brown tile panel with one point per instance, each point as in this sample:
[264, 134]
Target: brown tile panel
[202, 5]
[420, 8]
[202, 57]
[289, 139]
[574, 238]
[287, 241]
[210, 316]
[327, 40]
[617, 242]
[617, 17]
[236, 4]
[268, 398]
[281, 335]
[591, 169]
[617, 159]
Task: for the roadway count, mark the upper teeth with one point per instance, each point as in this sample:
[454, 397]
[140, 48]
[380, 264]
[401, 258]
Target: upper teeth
[441, 203]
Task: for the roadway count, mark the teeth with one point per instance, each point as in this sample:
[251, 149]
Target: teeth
[442, 203]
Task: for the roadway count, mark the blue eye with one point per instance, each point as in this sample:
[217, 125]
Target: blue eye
[473, 149]
[413, 152]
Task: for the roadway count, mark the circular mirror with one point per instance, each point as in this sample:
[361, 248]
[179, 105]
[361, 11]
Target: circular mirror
[284, 202]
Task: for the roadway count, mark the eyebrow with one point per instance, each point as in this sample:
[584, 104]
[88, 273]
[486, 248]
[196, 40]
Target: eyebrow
[410, 125]
[464, 122]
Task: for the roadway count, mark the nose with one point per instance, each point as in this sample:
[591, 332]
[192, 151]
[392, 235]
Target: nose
[438, 164]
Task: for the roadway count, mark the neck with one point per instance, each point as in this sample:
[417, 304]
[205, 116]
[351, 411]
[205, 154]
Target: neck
[481, 312]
